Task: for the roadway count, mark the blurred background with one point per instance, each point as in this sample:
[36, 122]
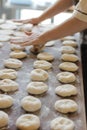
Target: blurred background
[24, 9]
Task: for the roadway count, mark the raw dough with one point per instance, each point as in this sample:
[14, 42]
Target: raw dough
[28, 122]
[19, 34]
[68, 66]
[30, 103]
[70, 43]
[68, 49]
[6, 101]
[18, 54]
[14, 23]
[45, 56]
[6, 32]
[66, 106]
[15, 47]
[17, 23]
[66, 90]
[4, 38]
[7, 26]
[8, 74]
[66, 77]
[39, 75]
[27, 27]
[42, 64]
[69, 57]
[68, 38]
[49, 44]
[4, 120]
[37, 88]
[62, 123]
[12, 63]
[8, 85]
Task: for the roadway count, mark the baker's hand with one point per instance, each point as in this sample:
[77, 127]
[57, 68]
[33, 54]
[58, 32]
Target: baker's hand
[32, 39]
[33, 21]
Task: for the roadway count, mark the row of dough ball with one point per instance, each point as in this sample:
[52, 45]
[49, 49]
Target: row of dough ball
[68, 57]
[15, 63]
[32, 104]
[66, 105]
[32, 122]
[62, 90]
[28, 103]
[68, 51]
[12, 63]
[39, 73]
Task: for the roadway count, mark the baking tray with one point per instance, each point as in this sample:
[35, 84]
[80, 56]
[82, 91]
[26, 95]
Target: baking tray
[47, 112]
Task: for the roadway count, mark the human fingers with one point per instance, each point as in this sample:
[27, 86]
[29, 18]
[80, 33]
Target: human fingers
[17, 20]
[31, 41]
[28, 33]
[22, 21]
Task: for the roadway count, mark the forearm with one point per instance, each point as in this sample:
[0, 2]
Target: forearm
[58, 7]
[69, 27]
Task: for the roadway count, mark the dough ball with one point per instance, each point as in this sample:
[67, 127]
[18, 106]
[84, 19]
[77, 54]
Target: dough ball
[37, 88]
[69, 57]
[12, 63]
[18, 54]
[66, 77]
[4, 120]
[19, 34]
[66, 90]
[28, 122]
[70, 43]
[49, 44]
[62, 123]
[45, 56]
[6, 32]
[68, 49]
[39, 75]
[17, 23]
[66, 106]
[8, 74]
[7, 26]
[30, 103]
[42, 64]
[4, 38]
[6, 101]
[15, 47]
[27, 27]
[8, 85]
[68, 66]
[68, 38]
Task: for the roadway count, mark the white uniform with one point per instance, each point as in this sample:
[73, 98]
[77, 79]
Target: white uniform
[80, 11]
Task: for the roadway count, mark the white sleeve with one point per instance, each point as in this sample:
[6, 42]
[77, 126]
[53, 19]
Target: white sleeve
[80, 11]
